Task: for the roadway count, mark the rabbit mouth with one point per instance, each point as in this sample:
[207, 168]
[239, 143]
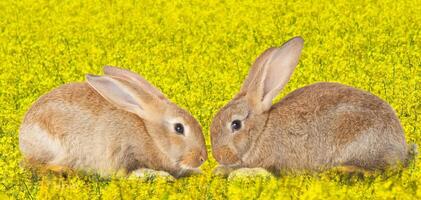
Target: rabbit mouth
[225, 156]
[192, 160]
[184, 165]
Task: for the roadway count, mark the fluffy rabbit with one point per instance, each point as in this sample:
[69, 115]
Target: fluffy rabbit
[116, 122]
[316, 127]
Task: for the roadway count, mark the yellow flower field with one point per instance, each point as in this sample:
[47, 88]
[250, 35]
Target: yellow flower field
[198, 53]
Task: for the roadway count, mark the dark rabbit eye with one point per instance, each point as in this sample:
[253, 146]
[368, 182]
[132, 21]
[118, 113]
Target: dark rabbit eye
[179, 128]
[236, 125]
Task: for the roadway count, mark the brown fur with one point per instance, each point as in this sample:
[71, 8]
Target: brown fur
[316, 127]
[86, 132]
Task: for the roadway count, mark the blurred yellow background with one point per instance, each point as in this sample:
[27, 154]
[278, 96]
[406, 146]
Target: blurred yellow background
[198, 53]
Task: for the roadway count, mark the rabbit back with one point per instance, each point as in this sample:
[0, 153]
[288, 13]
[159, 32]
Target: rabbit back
[329, 124]
[74, 126]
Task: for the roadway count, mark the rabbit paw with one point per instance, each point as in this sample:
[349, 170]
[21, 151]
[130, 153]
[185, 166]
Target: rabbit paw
[189, 172]
[150, 174]
[249, 172]
[223, 171]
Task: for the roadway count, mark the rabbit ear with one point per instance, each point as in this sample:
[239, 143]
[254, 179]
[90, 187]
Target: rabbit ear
[258, 63]
[271, 72]
[128, 75]
[128, 96]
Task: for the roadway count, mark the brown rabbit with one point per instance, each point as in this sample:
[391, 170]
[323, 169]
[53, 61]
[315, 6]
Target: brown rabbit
[316, 127]
[111, 123]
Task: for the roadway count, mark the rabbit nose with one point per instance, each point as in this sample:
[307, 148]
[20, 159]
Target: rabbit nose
[203, 156]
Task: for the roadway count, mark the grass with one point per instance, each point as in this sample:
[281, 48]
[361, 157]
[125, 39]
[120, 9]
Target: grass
[198, 53]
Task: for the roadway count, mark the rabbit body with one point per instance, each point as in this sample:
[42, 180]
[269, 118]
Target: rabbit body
[74, 126]
[325, 125]
[116, 139]
[316, 127]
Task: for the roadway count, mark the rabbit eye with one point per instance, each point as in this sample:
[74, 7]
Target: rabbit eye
[235, 125]
[179, 128]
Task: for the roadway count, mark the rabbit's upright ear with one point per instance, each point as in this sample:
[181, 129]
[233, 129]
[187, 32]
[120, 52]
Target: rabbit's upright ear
[270, 73]
[128, 75]
[129, 96]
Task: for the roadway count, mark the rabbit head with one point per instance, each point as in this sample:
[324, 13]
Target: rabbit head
[238, 125]
[173, 130]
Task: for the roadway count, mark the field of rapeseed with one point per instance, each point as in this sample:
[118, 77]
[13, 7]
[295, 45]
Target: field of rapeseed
[198, 53]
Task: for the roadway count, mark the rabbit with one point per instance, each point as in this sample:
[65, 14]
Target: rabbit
[314, 128]
[111, 123]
